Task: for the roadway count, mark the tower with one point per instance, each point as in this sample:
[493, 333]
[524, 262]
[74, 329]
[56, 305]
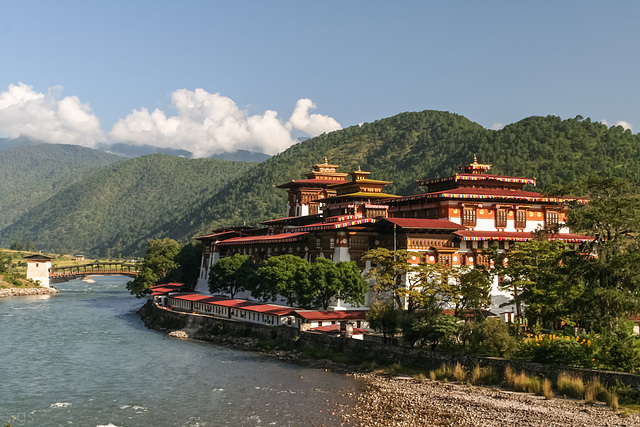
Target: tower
[38, 269]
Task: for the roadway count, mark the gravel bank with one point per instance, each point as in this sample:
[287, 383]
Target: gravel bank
[15, 292]
[406, 402]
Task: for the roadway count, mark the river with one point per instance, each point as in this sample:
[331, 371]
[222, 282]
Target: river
[83, 357]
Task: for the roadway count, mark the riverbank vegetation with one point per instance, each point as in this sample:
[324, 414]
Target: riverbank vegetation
[572, 305]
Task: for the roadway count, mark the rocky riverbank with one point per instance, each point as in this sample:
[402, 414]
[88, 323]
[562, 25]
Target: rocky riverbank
[403, 401]
[16, 292]
[406, 402]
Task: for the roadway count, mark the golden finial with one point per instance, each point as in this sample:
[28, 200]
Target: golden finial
[326, 161]
[475, 159]
[359, 170]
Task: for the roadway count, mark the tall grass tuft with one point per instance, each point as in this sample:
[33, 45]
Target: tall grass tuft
[432, 376]
[484, 376]
[522, 382]
[459, 373]
[570, 385]
[612, 400]
[547, 390]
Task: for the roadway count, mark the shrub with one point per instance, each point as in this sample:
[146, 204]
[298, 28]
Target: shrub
[564, 350]
[492, 335]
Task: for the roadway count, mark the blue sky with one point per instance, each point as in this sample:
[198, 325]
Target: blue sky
[318, 64]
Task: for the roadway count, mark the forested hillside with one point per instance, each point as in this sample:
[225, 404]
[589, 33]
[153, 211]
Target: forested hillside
[164, 196]
[115, 210]
[31, 173]
[430, 144]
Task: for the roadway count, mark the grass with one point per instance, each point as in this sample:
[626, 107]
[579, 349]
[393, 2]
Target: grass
[547, 389]
[522, 382]
[570, 385]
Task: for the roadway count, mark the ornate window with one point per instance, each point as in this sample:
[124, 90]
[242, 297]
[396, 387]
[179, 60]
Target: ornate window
[521, 219]
[469, 216]
[550, 219]
[501, 218]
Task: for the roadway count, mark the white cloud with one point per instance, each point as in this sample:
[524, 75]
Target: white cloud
[624, 124]
[209, 123]
[497, 126]
[25, 112]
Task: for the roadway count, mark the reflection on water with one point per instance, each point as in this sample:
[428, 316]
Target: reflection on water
[82, 357]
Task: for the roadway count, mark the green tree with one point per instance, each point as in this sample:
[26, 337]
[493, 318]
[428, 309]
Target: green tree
[353, 286]
[277, 277]
[231, 275]
[493, 334]
[389, 272]
[608, 270]
[159, 262]
[384, 317]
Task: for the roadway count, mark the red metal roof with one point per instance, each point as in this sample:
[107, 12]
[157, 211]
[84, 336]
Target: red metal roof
[521, 236]
[273, 238]
[332, 315]
[424, 223]
[196, 298]
[155, 291]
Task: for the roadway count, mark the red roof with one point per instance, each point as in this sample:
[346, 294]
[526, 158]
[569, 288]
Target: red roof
[520, 236]
[332, 315]
[485, 193]
[336, 329]
[303, 182]
[196, 298]
[424, 223]
[273, 238]
[258, 307]
[161, 291]
[336, 224]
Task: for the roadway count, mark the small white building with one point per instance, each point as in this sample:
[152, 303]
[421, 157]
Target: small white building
[38, 269]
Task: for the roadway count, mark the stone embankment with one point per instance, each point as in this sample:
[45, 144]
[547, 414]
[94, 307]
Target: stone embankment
[16, 292]
[406, 402]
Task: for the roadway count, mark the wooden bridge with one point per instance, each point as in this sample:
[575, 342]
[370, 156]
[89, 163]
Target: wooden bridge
[62, 274]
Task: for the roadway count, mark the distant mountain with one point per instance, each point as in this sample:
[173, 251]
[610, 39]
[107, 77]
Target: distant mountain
[33, 172]
[16, 142]
[242, 156]
[130, 150]
[116, 209]
[123, 204]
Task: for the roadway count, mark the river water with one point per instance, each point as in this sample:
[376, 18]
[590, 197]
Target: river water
[83, 357]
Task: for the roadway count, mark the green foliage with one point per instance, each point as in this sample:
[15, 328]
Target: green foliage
[231, 275]
[280, 276]
[492, 335]
[442, 329]
[159, 262]
[384, 317]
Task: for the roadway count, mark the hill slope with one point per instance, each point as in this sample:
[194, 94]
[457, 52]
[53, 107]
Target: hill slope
[122, 205]
[31, 173]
